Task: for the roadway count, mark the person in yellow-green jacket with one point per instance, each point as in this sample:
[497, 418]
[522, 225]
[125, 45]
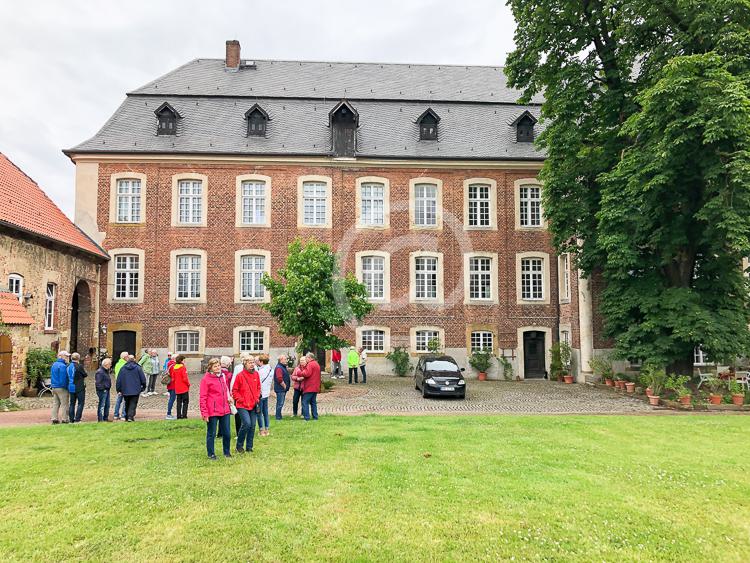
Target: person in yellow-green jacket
[352, 360]
[121, 362]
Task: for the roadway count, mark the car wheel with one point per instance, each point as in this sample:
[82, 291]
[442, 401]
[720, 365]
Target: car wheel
[462, 397]
[416, 385]
[424, 391]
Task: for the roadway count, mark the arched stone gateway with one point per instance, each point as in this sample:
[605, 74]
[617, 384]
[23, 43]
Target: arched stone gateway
[81, 317]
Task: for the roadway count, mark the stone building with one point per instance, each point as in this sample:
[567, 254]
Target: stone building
[48, 264]
[422, 177]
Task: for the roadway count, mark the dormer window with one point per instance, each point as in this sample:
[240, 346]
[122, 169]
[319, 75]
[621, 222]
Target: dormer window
[257, 118]
[166, 118]
[343, 120]
[428, 125]
[524, 125]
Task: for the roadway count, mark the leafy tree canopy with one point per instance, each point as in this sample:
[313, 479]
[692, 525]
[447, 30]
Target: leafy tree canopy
[647, 177]
[310, 299]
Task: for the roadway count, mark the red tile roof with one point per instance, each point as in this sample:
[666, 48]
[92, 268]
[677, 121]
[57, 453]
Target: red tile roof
[25, 206]
[12, 312]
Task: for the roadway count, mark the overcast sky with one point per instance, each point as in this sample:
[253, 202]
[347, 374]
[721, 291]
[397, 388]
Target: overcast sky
[65, 66]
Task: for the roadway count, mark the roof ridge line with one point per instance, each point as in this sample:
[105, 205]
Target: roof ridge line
[451, 65]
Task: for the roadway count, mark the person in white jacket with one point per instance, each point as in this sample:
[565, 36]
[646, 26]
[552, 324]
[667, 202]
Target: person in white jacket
[265, 373]
[362, 362]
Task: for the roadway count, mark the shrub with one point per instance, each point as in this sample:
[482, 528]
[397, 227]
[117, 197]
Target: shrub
[433, 345]
[735, 388]
[677, 383]
[8, 405]
[566, 355]
[38, 364]
[556, 365]
[655, 377]
[327, 384]
[481, 360]
[507, 368]
[716, 385]
[401, 362]
[601, 366]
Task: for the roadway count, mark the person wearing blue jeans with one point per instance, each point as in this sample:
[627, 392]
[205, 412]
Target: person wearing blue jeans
[222, 423]
[310, 400]
[281, 383]
[170, 403]
[103, 383]
[264, 420]
[76, 387]
[246, 435]
[265, 373]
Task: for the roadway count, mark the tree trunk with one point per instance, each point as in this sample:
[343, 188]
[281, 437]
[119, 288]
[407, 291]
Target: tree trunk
[682, 366]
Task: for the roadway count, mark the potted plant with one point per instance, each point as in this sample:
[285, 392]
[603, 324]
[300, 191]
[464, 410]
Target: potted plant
[400, 358]
[602, 366]
[38, 364]
[738, 395]
[655, 377]
[556, 366]
[481, 360]
[715, 386]
[629, 382]
[566, 357]
[677, 383]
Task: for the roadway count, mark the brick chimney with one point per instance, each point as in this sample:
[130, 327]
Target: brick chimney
[233, 55]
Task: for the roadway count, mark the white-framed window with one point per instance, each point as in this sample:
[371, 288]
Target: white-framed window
[190, 202]
[373, 340]
[253, 202]
[423, 338]
[373, 276]
[127, 276]
[188, 276]
[372, 204]
[128, 200]
[700, 358]
[530, 205]
[253, 341]
[480, 278]
[187, 342]
[564, 273]
[314, 203]
[425, 205]
[479, 205]
[482, 340]
[252, 269]
[565, 337]
[532, 279]
[15, 286]
[49, 307]
[425, 277]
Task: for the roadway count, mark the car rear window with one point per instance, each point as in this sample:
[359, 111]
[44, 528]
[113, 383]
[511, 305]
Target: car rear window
[441, 365]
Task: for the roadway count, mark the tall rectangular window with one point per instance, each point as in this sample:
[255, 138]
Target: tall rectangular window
[480, 278]
[190, 201]
[425, 204]
[423, 338]
[532, 285]
[425, 269]
[373, 204]
[252, 341]
[479, 205]
[373, 340]
[373, 270]
[565, 276]
[314, 200]
[530, 212]
[253, 202]
[252, 268]
[481, 340]
[49, 307]
[128, 201]
[565, 337]
[126, 276]
[188, 276]
[187, 342]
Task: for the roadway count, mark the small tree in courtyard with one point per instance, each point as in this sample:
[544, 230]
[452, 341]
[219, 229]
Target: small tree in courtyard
[310, 299]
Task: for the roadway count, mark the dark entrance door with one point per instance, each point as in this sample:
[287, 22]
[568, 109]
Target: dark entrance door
[533, 354]
[6, 355]
[122, 340]
[80, 319]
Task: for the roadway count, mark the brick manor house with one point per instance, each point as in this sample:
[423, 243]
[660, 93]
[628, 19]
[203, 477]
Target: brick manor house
[422, 177]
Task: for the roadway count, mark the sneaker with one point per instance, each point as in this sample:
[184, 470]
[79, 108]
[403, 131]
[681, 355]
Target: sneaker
[166, 394]
[170, 417]
[227, 455]
[240, 450]
[117, 417]
[212, 457]
[65, 421]
[55, 422]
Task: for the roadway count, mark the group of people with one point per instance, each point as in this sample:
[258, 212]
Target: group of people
[356, 360]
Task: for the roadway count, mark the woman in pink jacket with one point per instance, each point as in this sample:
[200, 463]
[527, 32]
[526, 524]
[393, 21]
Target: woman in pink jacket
[215, 409]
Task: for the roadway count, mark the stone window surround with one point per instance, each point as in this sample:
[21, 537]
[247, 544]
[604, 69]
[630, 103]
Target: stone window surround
[238, 273]
[493, 203]
[493, 300]
[173, 275]
[439, 204]
[238, 200]
[201, 339]
[546, 289]
[386, 256]
[478, 327]
[386, 339]
[266, 338]
[413, 338]
[517, 204]
[176, 199]
[114, 252]
[562, 328]
[113, 196]
[386, 201]
[413, 278]
[329, 201]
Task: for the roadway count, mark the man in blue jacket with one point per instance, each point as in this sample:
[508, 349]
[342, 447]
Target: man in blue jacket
[59, 384]
[130, 384]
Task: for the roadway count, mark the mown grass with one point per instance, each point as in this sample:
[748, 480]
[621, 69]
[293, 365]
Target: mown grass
[382, 488]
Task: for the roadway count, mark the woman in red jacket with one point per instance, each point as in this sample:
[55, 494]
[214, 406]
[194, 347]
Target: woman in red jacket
[215, 407]
[181, 383]
[246, 394]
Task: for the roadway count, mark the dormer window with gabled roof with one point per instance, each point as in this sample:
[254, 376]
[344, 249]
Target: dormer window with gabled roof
[343, 120]
[166, 117]
[257, 118]
[428, 125]
[524, 125]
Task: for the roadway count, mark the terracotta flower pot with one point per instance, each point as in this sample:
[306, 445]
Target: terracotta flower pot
[653, 400]
[609, 382]
[738, 399]
[482, 376]
[620, 384]
[568, 378]
[630, 387]
[685, 400]
[649, 391]
[714, 399]
[29, 392]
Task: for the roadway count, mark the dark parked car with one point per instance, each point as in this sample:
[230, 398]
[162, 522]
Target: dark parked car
[439, 376]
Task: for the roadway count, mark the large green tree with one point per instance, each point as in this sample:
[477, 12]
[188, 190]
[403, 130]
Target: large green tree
[647, 177]
[311, 299]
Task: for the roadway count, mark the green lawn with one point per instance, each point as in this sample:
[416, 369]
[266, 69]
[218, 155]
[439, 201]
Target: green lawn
[610, 488]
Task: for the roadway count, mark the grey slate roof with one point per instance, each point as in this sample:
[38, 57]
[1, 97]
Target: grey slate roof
[475, 107]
